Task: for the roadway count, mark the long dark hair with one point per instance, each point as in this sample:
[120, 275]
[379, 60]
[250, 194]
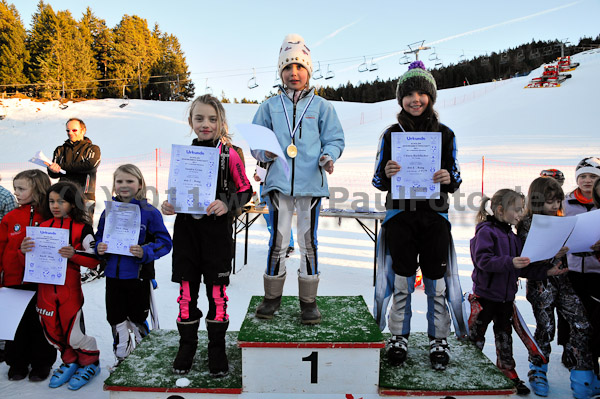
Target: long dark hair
[428, 121]
[541, 190]
[73, 194]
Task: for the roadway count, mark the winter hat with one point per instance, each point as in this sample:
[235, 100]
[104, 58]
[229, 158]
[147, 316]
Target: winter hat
[416, 78]
[294, 51]
[588, 165]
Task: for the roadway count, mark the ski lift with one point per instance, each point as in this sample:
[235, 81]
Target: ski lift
[207, 88]
[461, 58]
[125, 99]
[438, 64]
[533, 54]
[252, 84]
[520, 55]
[504, 58]
[330, 74]
[404, 60]
[485, 61]
[548, 50]
[433, 56]
[317, 74]
[363, 67]
[373, 66]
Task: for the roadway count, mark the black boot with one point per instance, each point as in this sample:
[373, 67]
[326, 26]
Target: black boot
[218, 365]
[188, 343]
[272, 299]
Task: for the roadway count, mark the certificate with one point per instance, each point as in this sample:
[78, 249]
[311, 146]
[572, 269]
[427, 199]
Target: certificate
[44, 264]
[262, 138]
[419, 155]
[13, 303]
[121, 227]
[193, 178]
[547, 235]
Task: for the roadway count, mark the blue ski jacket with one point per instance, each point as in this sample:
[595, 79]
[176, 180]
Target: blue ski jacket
[319, 133]
[154, 239]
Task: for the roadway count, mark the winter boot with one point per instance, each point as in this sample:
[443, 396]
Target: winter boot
[307, 291]
[397, 349]
[581, 383]
[272, 299]
[439, 353]
[595, 386]
[218, 365]
[122, 342]
[83, 376]
[188, 343]
[538, 380]
[521, 387]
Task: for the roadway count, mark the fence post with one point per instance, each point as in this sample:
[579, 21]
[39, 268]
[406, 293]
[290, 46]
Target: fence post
[482, 171]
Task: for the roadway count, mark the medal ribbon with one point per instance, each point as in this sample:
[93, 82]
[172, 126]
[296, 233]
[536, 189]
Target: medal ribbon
[287, 118]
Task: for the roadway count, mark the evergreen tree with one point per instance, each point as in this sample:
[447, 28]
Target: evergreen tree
[12, 48]
[99, 38]
[135, 51]
[39, 44]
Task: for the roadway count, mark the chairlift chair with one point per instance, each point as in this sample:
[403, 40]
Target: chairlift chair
[504, 58]
[252, 84]
[317, 74]
[330, 74]
[2, 113]
[207, 88]
[548, 50]
[485, 61]
[373, 66]
[125, 99]
[520, 55]
[404, 60]
[533, 54]
[438, 63]
[363, 67]
[461, 58]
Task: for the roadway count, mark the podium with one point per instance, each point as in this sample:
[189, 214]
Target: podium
[343, 357]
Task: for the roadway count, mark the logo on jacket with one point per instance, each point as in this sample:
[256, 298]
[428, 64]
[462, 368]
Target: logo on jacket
[17, 227]
[44, 312]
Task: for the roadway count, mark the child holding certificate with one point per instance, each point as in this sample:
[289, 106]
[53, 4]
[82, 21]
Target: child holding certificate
[128, 277]
[311, 136]
[203, 244]
[418, 228]
[29, 346]
[556, 292]
[60, 306]
[495, 252]
[584, 267]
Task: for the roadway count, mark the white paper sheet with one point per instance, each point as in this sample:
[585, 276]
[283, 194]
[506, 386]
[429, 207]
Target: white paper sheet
[41, 159]
[262, 138]
[419, 155]
[261, 173]
[547, 236]
[586, 232]
[12, 306]
[193, 178]
[121, 227]
[44, 264]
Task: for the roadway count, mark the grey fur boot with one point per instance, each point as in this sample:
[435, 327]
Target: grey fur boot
[272, 299]
[307, 291]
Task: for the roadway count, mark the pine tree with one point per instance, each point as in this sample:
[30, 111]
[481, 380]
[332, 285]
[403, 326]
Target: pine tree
[12, 48]
[39, 44]
[99, 39]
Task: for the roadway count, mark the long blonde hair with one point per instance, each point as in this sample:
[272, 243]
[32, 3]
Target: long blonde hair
[222, 127]
[135, 172]
[504, 197]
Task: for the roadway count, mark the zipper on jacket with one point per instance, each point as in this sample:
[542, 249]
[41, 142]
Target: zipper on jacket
[293, 142]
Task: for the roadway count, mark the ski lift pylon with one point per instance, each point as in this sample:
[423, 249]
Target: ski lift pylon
[252, 84]
[330, 74]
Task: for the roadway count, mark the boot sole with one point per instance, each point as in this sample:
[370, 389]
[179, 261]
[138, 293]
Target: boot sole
[264, 316]
[311, 322]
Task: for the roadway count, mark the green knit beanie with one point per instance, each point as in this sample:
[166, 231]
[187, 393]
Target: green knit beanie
[416, 78]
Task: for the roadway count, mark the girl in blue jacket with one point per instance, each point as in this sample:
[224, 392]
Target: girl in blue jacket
[495, 252]
[311, 137]
[128, 278]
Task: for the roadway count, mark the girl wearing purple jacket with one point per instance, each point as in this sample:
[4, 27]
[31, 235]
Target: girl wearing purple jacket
[495, 251]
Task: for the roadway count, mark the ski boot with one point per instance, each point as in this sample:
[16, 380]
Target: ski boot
[63, 374]
[83, 376]
[538, 380]
[397, 350]
[581, 383]
[521, 387]
[439, 353]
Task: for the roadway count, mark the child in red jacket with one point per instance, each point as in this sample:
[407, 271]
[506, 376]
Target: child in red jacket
[29, 346]
[60, 306]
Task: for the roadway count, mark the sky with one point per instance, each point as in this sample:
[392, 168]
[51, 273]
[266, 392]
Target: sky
[229, 43]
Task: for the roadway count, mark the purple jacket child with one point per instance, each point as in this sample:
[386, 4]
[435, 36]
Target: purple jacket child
[492, 251]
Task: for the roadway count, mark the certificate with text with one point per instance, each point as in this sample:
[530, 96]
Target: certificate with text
[121, 227]
[193, 178]
[419, 155]
[44, 264]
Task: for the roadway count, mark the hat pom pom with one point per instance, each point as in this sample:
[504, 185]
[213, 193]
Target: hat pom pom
[417, 64]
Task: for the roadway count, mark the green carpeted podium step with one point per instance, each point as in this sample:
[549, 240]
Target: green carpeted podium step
[148, 371]
[338, 356]
[469, 372]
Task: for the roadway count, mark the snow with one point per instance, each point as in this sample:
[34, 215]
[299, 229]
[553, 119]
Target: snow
[519, 131]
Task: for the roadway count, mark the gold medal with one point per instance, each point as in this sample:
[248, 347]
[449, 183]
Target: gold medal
[292, 151]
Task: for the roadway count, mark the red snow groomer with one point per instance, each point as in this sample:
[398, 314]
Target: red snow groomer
[565, 64]
[550, 78]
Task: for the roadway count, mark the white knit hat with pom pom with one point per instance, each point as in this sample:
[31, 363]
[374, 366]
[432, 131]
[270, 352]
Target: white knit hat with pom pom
[294, 51]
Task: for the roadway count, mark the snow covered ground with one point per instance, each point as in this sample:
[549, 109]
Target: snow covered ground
[518, 131]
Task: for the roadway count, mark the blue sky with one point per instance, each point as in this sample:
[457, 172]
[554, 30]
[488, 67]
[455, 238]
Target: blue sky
[228, 42]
